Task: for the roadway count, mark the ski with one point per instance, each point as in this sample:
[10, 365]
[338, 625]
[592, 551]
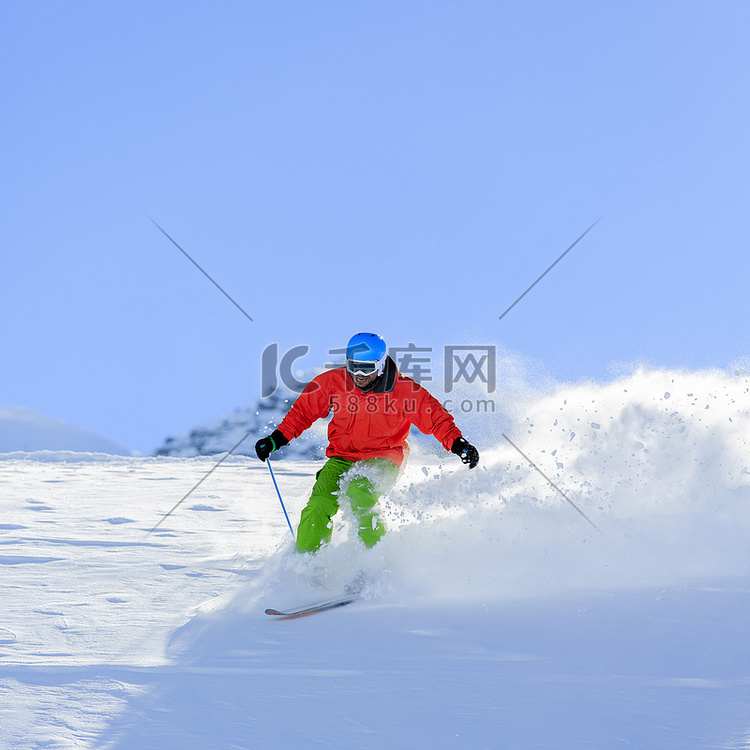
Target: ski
[312, 609]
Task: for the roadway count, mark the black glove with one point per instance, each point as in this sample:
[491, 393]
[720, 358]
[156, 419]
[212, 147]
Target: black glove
[466, 451]
[267, 445]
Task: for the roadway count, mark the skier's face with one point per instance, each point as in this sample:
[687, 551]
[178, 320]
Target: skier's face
[362, 381]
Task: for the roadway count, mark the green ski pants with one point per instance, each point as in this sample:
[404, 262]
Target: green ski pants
[362, 482]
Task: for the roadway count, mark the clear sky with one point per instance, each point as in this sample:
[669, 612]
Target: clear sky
[407, 167]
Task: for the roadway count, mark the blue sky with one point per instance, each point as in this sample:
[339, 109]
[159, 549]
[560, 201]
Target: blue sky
[403, 167]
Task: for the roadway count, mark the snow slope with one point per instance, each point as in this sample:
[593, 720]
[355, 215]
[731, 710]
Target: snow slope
[498, 617]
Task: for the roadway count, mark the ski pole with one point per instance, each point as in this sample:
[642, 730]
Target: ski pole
[286, 515]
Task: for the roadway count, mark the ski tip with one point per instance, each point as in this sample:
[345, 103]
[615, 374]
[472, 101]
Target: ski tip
[271, 611]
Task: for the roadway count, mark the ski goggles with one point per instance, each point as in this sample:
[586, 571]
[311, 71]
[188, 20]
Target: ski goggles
[355, 367]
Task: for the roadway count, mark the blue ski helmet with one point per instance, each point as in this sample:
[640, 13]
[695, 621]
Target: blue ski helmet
[365, 354]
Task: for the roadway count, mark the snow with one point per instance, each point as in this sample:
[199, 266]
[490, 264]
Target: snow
[497, 616]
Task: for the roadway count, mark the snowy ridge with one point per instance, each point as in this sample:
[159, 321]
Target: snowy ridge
[223, 434]
[26, 430]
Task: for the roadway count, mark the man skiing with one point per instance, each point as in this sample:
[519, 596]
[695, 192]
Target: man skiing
[373, 408]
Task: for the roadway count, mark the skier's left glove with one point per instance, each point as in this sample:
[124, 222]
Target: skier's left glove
[267, 445]
[465, 451]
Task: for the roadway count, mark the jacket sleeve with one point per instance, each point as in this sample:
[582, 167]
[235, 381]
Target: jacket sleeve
[432, 418]
[312, 404]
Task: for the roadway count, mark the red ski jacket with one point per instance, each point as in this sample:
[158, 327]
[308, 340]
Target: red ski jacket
[374, 424]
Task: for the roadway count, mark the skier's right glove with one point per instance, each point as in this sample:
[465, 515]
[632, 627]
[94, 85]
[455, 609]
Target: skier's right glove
[267, 445]
[465, 451]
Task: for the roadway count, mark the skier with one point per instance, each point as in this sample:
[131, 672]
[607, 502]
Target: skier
[373, 408]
